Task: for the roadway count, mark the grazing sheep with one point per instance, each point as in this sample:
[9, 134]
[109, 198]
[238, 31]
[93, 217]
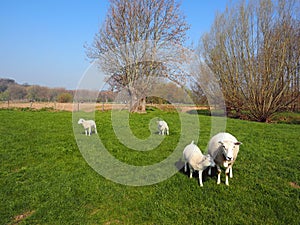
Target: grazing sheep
[87, 125]
[163, 127]
[193, 156]
[224, 148]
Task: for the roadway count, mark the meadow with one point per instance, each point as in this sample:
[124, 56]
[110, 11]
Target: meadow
[44, 178]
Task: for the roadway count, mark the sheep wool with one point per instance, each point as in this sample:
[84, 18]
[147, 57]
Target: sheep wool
[224, 148]
[88, 125]
[196, 161]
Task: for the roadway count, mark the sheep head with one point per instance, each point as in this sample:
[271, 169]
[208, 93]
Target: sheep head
[80, 121]
[228, 148]
[206, 161]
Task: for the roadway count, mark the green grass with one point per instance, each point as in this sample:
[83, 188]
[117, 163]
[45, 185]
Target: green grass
[286, 117]
[44, 179]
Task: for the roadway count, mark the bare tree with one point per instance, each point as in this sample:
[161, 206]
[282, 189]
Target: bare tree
[38, 93]
[17, 92]
[128, 41]
[5, 83]
[254, 50]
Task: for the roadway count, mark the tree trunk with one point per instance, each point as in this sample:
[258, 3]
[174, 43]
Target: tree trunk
[138, 106]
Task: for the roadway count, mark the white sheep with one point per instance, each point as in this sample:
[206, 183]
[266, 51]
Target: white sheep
[88, 125]
[163, 127]
[224, 148]
[193, 157]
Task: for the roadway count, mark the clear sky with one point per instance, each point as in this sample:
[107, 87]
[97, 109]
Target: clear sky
[41, 41]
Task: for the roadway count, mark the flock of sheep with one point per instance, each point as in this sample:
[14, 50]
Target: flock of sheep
[223, 149]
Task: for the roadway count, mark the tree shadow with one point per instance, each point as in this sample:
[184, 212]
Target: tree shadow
[199, 112]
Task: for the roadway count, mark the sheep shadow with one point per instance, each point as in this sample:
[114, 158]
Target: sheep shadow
[83, 133]
[180, 166]
[157, 133]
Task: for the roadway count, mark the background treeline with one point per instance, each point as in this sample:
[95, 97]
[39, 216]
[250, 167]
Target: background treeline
[10, 90]
[252, 51]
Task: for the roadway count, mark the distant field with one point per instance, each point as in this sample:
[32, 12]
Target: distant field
[53, 105]
[45, 180]
[84, 106]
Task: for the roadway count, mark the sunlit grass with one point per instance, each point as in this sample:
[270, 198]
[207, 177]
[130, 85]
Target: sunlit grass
[45, 180]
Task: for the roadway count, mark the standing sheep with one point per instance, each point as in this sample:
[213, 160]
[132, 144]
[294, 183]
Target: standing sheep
[163, 127]
[193, 156]
[88, 125]
[224, 148]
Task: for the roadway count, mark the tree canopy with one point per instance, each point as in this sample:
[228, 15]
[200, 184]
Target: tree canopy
[127, 43]
[254, 50]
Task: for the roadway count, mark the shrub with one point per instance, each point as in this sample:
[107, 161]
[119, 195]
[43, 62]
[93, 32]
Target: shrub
[64, 97]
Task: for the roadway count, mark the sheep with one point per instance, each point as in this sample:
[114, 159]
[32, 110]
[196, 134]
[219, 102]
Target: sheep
[87, 125]
[163, 128]
[193, 157]
[224, 148]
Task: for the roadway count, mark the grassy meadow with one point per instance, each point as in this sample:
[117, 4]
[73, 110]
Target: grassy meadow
[44, 178]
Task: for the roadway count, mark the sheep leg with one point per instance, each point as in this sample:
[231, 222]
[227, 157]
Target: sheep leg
[90, 131]
[95, 129]
[185, 167]
[219, 175]
[191, 172]
[230, 172]
[209, 171]
[226, 176]
[200, 178]
[85, 132]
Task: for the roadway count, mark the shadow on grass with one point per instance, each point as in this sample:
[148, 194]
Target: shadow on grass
[206, 112]
[280, 117]
[180, 166]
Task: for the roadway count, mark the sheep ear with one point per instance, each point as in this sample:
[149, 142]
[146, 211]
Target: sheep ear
[238, 143]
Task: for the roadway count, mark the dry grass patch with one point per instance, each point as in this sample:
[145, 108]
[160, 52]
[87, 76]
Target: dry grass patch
[23, 216]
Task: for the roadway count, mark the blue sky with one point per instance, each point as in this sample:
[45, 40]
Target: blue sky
[41, 41]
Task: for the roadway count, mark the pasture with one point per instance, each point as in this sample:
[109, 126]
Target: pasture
[44, 179]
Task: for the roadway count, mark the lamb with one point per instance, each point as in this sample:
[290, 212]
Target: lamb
[224, 148]
[88, 125]
[163, 127]
[193, 156]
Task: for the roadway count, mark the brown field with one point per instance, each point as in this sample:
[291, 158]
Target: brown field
[88, 107]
